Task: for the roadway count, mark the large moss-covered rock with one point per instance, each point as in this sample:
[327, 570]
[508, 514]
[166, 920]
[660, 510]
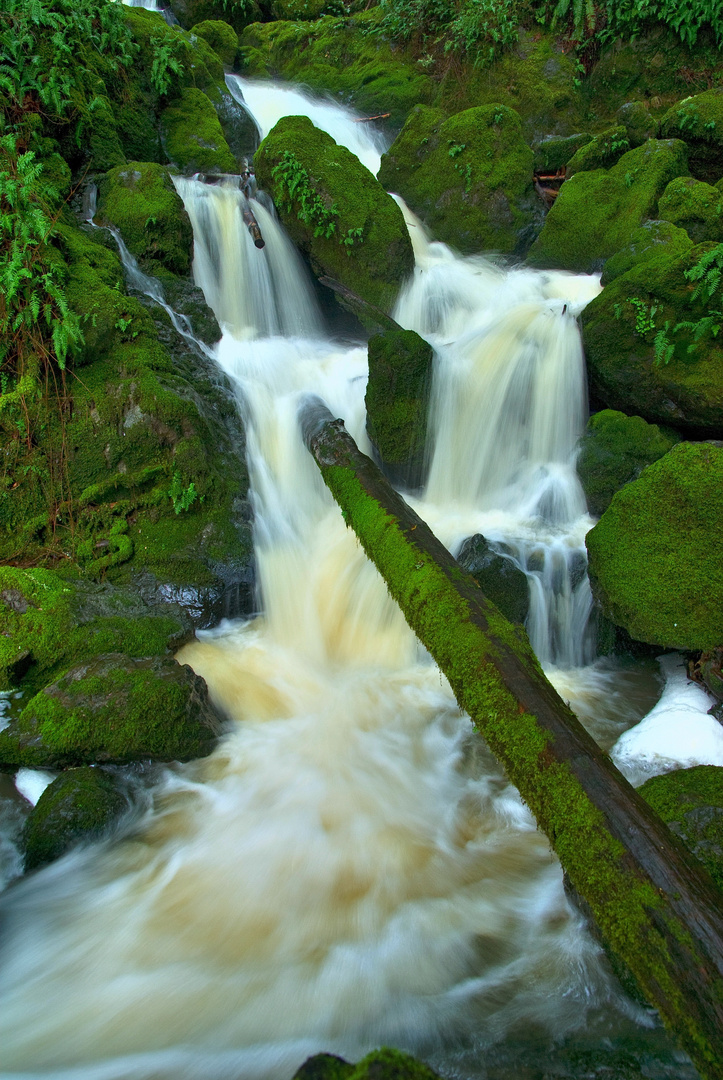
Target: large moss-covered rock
[690, 802]
[192, 135]
[335, 210]
[654, 554]
[638, 123]
[596, 212]
[554, 151]
[114, 710]
[238, 13]
[80, 806]
[499, 579]
[383, 1064]
[397, 401]
[139, 199]
[646, 244]
[47, 621]
[221, 37]
[468, 177]
[694, 206]
[614, 450]
[627, 366]
[698, 120]
[344, 57]
[602, 152]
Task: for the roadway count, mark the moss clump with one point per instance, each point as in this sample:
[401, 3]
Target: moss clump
[140, 200]
[654, 563]
[690, 802]
[192, 136]
[601, 152]
[383, 1064]
[335, 210]
[80, 806]
[651, 240]
[499, 579]
[397, 402]
[698, 121]
[553, 152]
[468, 177]
[221, 37]
[238, 13]
[614, 450]
[694, 206]
[620, 330]
[638, 123]
[114, 710]
[341, 56]
[596, 212]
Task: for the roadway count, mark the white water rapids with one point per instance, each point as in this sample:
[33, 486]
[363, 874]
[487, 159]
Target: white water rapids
[350, 867]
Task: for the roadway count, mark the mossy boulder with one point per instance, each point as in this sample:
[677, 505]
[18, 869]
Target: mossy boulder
[596, 212]
[114, 710]
[646, 244]
[397, 402]
[601, 152]
[638, 123]
[343, 57]
[222, 38]
[383, 1064]
[499, 579]
[694, 206]
[708, 669]
[554, 151]
[139, 199]
[654, 558]
[690, 802]
[305, 10]
[47, 621]
[684, 387]
[698, 121]
[192, 136]
[238, 15]
[468, 177]
[80, 806]
[614, 450]
[335, 210]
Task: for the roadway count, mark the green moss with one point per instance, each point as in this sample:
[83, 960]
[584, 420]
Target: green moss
[142, 203]
[397, 402]
[690, 802]
[602, 152]
[114, 710]
[694, 206]
[221, 37]
[698, 121]
[238, 13]
[646, 244]
[638, 123]
[469, 177]
[653, 557]
[553, 152]
[335, 210]
[192, 136]
[614, 450]
[687, 391]
[596, 212]
[80, 806]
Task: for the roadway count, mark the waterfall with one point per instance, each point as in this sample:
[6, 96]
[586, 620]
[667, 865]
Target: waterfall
[350, 866]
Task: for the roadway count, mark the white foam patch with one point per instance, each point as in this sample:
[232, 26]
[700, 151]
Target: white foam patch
[677, 733]
[31, 783]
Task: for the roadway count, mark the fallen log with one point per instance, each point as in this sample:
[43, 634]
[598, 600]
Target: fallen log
[654, 904]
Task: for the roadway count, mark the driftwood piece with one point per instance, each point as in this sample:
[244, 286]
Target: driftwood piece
[655, 905]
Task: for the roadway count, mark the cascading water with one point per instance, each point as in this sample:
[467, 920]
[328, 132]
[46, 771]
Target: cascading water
[349, 867]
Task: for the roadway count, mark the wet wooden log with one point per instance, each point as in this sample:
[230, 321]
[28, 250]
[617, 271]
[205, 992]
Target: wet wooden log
[655, 905]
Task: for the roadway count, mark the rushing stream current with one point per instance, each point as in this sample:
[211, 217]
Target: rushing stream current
[350, 867]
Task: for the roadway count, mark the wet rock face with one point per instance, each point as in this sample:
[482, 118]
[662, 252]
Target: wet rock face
[652, 563]
[614, 450]
[81, 805]
[114, 710]
[397, 401]
[499, 579]
[468, 177]
[690, 802]
[335, 210]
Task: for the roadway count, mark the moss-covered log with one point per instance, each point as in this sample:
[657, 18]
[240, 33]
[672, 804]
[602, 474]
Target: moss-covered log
[656, 908]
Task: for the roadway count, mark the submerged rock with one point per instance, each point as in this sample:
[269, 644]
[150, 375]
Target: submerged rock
[80, 806]
[468, 177]
[397, 402]
[335, 210]
[114, 710]
[654, 559]
[614, 450]
[499, 579]
[596, 212]
[690, 802]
